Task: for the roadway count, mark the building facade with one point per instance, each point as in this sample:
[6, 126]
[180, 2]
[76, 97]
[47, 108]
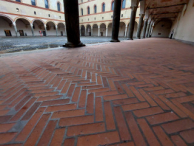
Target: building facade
[46, 18]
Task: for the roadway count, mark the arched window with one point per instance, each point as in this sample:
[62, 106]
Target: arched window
[33, 2]
[88, 10]
[113, 5]
[46, 4]
[58, 6]
[103, 7]
[18, 0]
[95, 9]
[123, 4]
[82, 12]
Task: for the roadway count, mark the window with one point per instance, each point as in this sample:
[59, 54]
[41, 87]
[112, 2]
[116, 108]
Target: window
[49, 15]
[59, 17]
[95, 9]
[18, 0]
[33, 2]
[113, 5]
[46, 4]
[82, 12]
[123, 4]
[103, 7]
[17, 9]
[58, 6]
[88, 10]
[34, 12]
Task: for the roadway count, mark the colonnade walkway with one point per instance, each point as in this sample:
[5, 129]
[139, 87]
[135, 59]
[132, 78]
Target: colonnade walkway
[137, 92]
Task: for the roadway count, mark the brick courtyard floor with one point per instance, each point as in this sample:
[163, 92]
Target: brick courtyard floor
[134, 93]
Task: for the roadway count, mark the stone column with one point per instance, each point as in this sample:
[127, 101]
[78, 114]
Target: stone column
[106, 31]
[132, 22]
[126, 31]
[85, 31]
[45, 29]
[98, 30]
[140, 26]
[116, 21]
[56, 30]
[150, 25]
[15, 28]
[147, 29]
[144, 27]
[31, 25]
[65, 32]
[72, 23]
[91, 32]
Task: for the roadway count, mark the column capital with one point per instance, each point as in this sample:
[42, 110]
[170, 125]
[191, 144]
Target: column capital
[98, 27]
[141, 15]
[133, 8]
[14, 23]
[56, 26]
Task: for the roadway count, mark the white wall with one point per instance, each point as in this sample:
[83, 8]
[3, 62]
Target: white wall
[4, 25]
[184, 25]
[162, 29]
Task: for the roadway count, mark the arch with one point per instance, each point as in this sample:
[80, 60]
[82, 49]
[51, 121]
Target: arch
[162, 28]
[22, 18]
[38, 26]
[122, 29]
[95, 9]
[95, 29]
[23, 27]
[102, 29]
[61, 28]
[58, 6]
[50, 21]
[134, 31]
[83, 30]
[103, 7]
[51, 28]
[88, 10]
[6, 26]
[88, 30]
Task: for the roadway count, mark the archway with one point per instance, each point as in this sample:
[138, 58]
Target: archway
[23, 27]
[162, 28]
[61, 29]
[83, 30]
[50, 27]
[102, 29]
[95, 30]
[88, 30]
[110, 29]
[38, 27]
[122, 29]
[6, 27]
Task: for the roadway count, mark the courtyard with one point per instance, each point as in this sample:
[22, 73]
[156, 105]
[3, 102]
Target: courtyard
[133, 93]
[13, 44]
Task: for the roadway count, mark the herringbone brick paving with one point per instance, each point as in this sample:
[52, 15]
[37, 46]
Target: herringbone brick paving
[134, 93]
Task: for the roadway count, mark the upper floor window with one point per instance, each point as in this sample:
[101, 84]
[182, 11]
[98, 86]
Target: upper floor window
[95, 9]
[103, 7]
[82, 12]
[58, 6]
[88, 10]
[123, 4]
[33, 2]
[18, 0]
[113, 5]
[46, 4]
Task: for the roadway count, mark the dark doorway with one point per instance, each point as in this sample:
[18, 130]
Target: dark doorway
[61, 33]
[101, 33]
[21, 32]
[44, 33]
[89, 33]
[7, 32]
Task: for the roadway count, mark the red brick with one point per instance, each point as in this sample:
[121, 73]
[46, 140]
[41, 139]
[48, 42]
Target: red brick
[98, 109]
[6, 127]
[122, 127]
[119, 88]
[185, 99]
[148, 98]
[66, 87]
[61, 107]
[70, 91]
[70, 113]
[106, 93]
[136, 134]
[82, 100]
[110, 124]
[153, 88]
[124, 101]
[128, 91]
[148, 133]
[177, 126]
[32, 139]
[6, 137]
[49, 98]
[164, 139]
[98, 139]
[55, 102]
[135, 106]
[178, 141]
[137, 94]
[123, 144]
[98, 90]
[114, 97]
[45, 94]
[69, 142]
[161, 118]
[112, 85]
[165, 91]
[76, 94]
[175, 95]
[148, 111]
[90, 103]
[99, 80]
[58, 137]
[61, 84]
[188, 135]
[86, 129]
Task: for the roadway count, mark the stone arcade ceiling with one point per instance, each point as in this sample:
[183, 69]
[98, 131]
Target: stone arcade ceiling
[169, 9]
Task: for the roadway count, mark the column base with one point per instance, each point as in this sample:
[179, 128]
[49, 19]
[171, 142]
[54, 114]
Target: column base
[129, 38]
[114, 40]
[71, 45]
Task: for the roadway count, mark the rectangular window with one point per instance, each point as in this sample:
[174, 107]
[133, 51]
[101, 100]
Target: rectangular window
[33, 2]
[18, 0]
[46, 4]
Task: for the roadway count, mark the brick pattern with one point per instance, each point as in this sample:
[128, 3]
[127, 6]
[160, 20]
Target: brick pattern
[134, 93]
